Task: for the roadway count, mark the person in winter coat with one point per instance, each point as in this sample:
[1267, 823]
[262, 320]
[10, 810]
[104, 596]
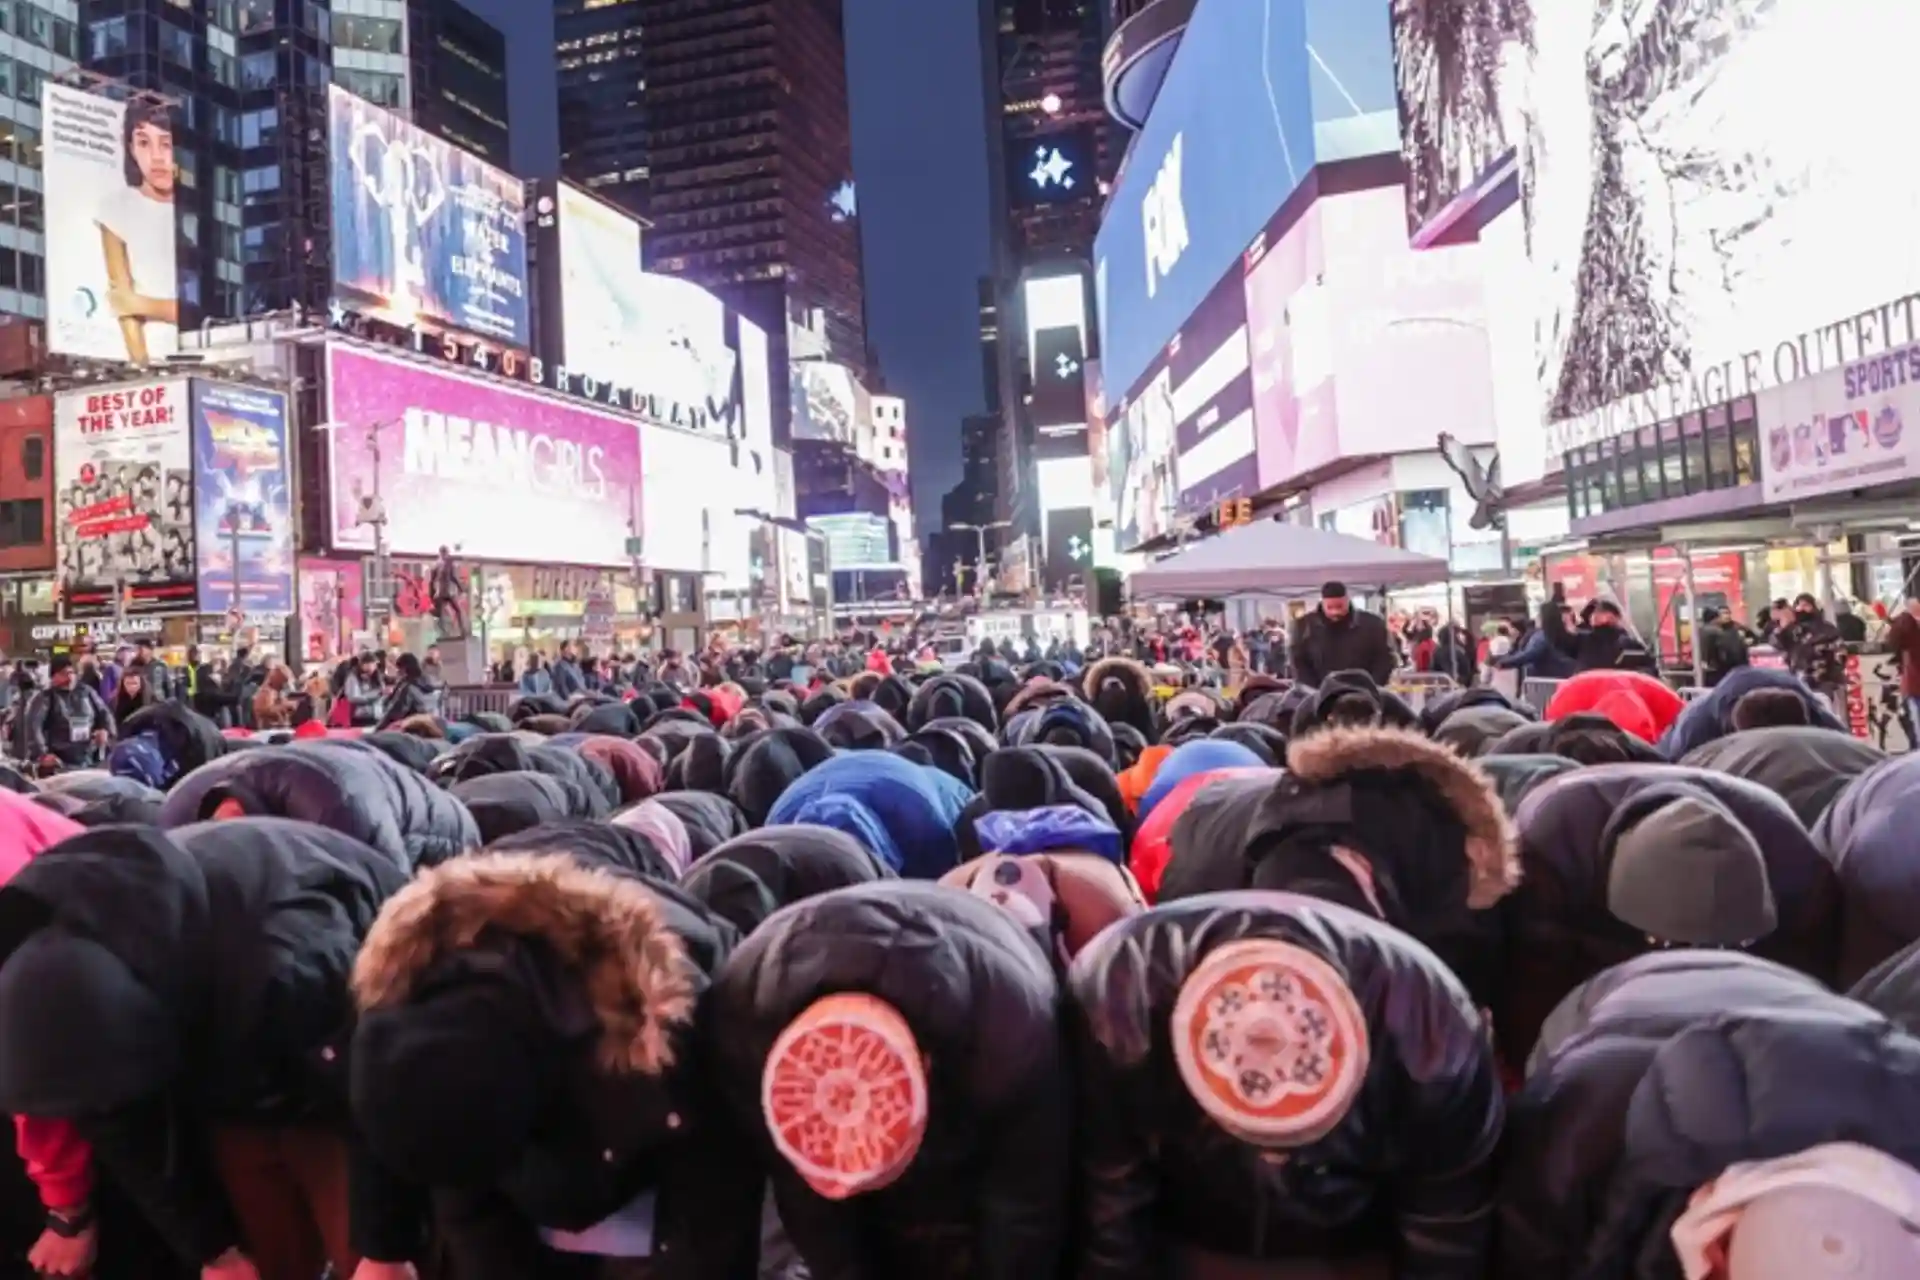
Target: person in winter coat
[897, 1049]
[1805, 766]
[536, 1045]
[1606, 644]
[1868, 834]
[1380, 820]
[752, 876]
[1548, 651]
[1640, 704]
[1585, 738]
[273, 700]
[133, 695]
[1338, 637]
[66, 723]
[181, 999]
[1623, 860]
[904, 813]
[347, 786]
[1276, 1087]
[415, 695]
[1710, 717]
[1349, 698]
[1052, 877]
[362, 697]
[567, 679]
[55, 1156]
[1568, 1126]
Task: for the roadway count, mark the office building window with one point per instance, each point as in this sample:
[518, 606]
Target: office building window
[262, 180]
[369, 35]
[260, 128]
[176, 45]
[33, 457]
[23, 522]
[377, 87]
[257, 70]
[254, 15]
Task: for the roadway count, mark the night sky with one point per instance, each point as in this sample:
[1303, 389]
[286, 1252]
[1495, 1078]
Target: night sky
[920, 161]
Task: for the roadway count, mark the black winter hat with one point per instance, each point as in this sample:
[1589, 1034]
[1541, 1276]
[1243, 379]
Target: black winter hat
[702, 766]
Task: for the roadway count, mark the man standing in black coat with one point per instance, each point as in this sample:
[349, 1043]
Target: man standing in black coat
[1339, 637]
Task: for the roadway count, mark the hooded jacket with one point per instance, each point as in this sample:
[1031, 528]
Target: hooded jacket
[186, 738]
[1472, 730]
[901, 811]
[503, 803]
[1639, 704]
[1868, 832]
[950, 695]
[1564, 1183]
[1064, 722]
[350, 788]
[56, 1158]
[157, 982]
[415, 753]
[1515, 776]
[1584, 738]
[1381, 820]
[1710, 717]
[766, 764]
[98, 801]
[750, 877]
[594, 843]
[1406, 1170]
[1017, 779]
[858, 726]
[1350, 698]
[986, 1196]
[710, 820]
[1806, 766]
[1121, 690]
[535, 1044]
[1561, 929]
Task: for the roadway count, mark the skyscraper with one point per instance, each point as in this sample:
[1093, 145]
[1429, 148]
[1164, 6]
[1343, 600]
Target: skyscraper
[751, 156]
[252, 152]
[1053, 152]
[603, 83]
[460, 78]
[41, 42]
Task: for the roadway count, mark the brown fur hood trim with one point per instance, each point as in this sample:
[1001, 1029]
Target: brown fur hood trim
[861, 687]
[1036, 692]
[637, 973]
[1138, 679]
[1493, 847]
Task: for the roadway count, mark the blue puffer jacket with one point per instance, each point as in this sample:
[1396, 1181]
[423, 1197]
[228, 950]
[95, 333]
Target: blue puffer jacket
[1711, 717]
[903, 812]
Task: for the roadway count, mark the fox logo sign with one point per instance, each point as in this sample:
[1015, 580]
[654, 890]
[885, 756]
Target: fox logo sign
[1164, 216]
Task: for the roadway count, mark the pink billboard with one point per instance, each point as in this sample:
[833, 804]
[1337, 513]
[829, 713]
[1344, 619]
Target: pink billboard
[496, 472]
[1363, 346]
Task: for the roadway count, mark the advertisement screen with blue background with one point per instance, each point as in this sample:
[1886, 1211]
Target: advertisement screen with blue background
[240, 477]
[1259, 93]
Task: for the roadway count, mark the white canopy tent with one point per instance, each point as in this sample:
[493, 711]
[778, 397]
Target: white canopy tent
[1275, 558]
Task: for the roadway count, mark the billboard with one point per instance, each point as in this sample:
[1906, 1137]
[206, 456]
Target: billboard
[242, 499]
[755, 452]
[693, 495]
[123, 493]
[828, 402]
[1069, 545]
[1184, 435]
[1259, 92]
[600, 310]
[1846, 429]
[112, 284]
[856, 540]
[1052, 168]
[1693, 234]
[421, 229]
[686, 362]
[500, 473]
[1457, 132]
[1361, 345]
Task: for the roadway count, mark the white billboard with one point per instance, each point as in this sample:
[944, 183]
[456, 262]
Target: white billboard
[600, 291]
[123, 499]
[691, 496]
[829, 403]
[112, 283]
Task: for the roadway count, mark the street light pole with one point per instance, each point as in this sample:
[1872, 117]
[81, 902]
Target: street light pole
[983, 578]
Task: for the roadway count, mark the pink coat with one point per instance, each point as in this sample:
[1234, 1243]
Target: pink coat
[56, 1159]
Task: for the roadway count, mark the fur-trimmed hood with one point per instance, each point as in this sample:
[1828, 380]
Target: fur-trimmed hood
[1134, 675]
[635, 970]
[1493, 847]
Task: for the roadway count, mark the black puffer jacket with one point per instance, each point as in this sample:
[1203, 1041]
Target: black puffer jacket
[951, 695]
[1350, 698]
[1567, 1127]
[710, 820]
[505, 803]
[153, 984]
[593, 843]
[763, 766]
[1868, 831]
[416, 753]
[97, 800]
[351, 788]
[1438, 845]
[1805, 765]
[1515, 777]
[986, 1196]
[187, 738]
[535, 1044]
[1585, 738]
[1407, 1171]
[750, 877]
[1560, 930]
[507, 753]
[1017, 779]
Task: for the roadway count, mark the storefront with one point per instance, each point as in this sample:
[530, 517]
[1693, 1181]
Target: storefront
[42, 636]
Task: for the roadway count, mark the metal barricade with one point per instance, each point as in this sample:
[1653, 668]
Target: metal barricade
[1537, 692]
[1416, 687]
[465, 700]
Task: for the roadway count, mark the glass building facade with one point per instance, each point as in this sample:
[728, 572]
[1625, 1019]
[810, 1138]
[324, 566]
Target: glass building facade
[1713, 449]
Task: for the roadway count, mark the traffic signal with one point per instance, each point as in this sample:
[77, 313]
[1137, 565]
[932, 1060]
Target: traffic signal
[1225, 516]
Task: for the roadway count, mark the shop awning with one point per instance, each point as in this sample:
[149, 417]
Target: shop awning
[1272, 557]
